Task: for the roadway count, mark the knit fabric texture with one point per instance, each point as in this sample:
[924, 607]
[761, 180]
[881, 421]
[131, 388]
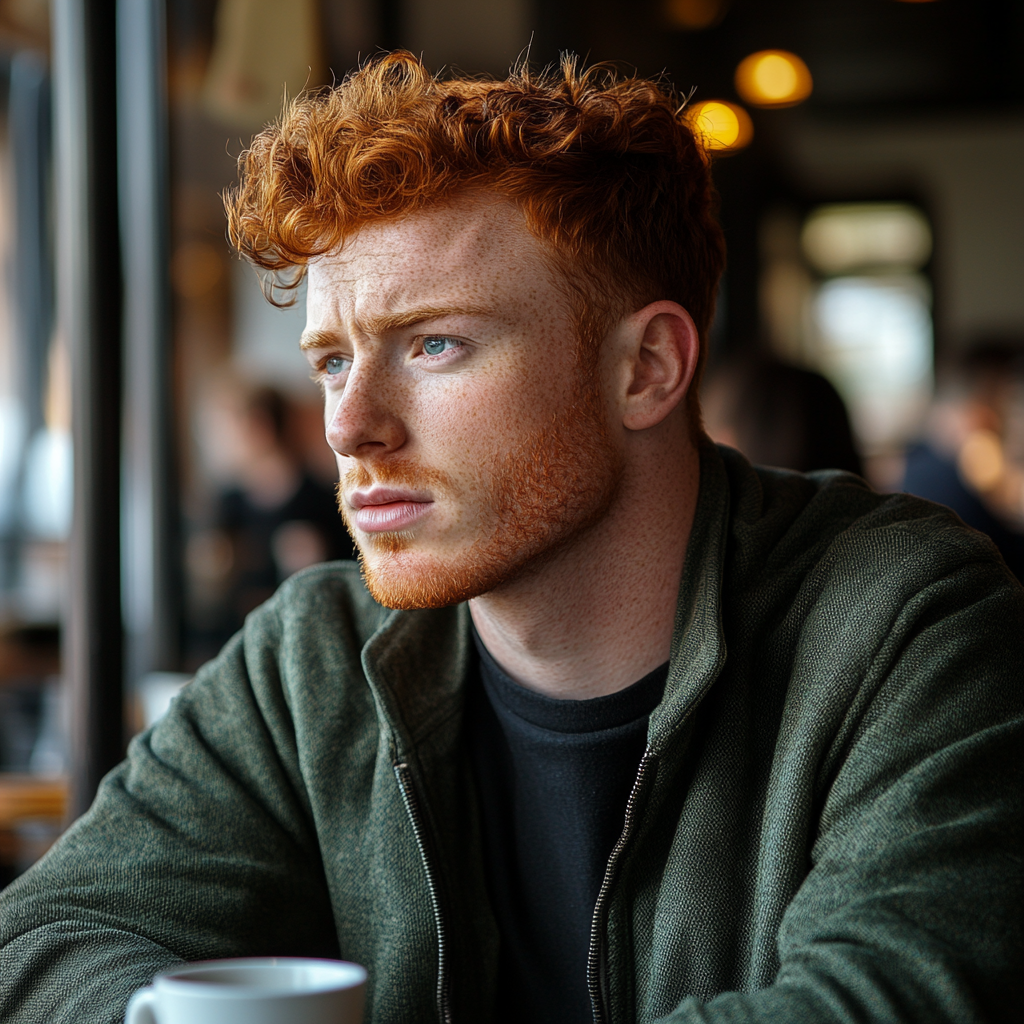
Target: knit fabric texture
[830, 830]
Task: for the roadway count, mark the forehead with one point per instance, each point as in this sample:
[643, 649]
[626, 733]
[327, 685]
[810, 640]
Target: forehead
[474, 251]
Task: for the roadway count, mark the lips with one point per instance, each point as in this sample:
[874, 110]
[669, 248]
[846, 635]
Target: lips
[388, 509]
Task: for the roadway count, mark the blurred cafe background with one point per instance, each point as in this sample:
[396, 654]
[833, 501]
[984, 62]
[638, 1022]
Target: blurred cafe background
[162, 461]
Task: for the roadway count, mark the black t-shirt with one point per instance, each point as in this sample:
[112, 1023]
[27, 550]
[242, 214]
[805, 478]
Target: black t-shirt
[554, 778]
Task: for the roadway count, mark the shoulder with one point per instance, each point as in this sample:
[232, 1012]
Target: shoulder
[822, 567]
[326, 600]
[312, 629]
[292, 677]
[832, 521]
[874, 617]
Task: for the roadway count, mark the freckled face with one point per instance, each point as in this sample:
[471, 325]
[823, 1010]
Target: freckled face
[470, 443]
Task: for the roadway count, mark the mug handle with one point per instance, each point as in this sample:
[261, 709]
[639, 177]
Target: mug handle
[140, 1007]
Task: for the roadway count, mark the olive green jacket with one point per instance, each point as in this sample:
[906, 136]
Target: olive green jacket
[825, 825]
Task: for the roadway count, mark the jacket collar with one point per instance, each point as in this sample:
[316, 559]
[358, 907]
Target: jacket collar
[698, 641]
[417, 664]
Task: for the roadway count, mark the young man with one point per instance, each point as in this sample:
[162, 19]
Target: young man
[649, 734]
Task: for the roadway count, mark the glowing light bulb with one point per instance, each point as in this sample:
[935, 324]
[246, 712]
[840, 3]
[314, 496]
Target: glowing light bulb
[773, 78]
[721, 126]
[694, 15]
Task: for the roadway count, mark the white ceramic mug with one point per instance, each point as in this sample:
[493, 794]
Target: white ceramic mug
[273, 990]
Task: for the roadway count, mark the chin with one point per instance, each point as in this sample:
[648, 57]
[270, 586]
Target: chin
[408, 580]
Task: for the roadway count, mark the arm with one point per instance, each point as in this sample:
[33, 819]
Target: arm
[198, 846]
[912, 910]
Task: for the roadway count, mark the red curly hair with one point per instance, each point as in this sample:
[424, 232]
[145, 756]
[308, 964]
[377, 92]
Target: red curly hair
[604, 170]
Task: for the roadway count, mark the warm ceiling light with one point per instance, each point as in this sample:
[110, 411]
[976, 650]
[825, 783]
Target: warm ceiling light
[722, 127]
[695, 15]
[773, 78]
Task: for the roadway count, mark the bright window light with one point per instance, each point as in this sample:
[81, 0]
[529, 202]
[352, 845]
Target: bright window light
[840, 238]
[874, 340]
[48, 492]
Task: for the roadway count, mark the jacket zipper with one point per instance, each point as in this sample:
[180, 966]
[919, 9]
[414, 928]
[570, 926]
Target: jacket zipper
[597, 958]
[412, 807]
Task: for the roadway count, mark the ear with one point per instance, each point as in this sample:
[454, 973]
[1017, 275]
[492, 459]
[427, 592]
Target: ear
[661, 348]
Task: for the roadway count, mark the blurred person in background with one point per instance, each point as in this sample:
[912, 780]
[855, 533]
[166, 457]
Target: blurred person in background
[971, 458]
[272, 516]
[778, 414]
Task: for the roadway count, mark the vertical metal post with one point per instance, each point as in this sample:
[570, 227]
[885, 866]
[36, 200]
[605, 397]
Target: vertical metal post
[30, 132]
[31, 140]
[152, 561]
[89, 314]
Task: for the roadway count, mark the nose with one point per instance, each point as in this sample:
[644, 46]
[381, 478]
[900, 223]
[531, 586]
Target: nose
[366, 418]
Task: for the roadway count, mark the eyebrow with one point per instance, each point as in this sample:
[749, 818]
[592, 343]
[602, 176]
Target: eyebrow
[382, 323]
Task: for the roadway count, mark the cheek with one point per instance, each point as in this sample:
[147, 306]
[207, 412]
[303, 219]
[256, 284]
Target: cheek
[485, 416]
[459, 420]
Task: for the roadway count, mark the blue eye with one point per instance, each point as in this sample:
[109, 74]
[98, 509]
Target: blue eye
[335, 365]
[435, 346]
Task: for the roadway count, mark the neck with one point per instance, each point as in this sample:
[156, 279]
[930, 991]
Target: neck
[599, 615]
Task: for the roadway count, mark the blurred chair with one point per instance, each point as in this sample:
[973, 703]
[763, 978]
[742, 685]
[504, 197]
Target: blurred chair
[777, 414]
